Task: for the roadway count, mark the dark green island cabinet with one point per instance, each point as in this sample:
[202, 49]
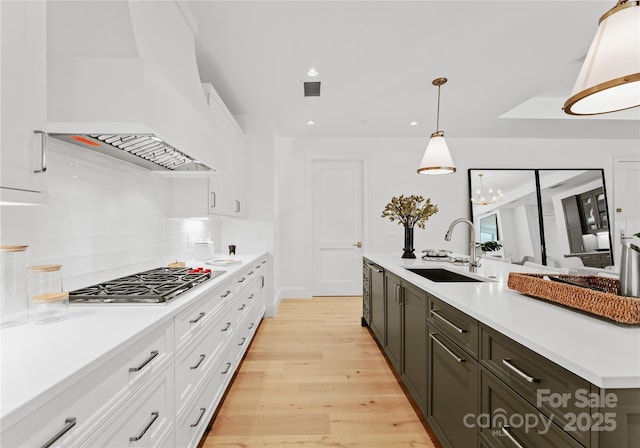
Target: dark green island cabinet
[477, 387]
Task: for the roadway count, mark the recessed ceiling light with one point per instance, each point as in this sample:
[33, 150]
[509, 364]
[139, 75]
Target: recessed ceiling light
[311, 122]
[312, 72]
[413, 123]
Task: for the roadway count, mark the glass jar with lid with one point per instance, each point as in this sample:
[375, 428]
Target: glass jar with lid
[49, 302]
[14, 300]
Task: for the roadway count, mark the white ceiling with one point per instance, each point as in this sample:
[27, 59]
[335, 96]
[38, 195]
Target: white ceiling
[377, 59]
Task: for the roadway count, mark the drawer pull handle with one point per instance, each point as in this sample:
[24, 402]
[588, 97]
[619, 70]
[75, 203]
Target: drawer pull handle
[244, 305]
[154, 417]
[199, 362]
[528, 378]
[200, 316]
[250, 326]
[68, 424]
[226, 326]
[241, 280]
[202, 411]
[226, 294]
[225, 371]
[446, 349]
[446, 321]
[506, 432]
[250, 273]
[250, 296]
[243, 341]
[145, 362]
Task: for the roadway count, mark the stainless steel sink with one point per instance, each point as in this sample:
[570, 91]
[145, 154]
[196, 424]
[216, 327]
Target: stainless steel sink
[440, 275]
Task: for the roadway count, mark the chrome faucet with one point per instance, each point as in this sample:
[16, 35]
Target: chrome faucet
[473, 261]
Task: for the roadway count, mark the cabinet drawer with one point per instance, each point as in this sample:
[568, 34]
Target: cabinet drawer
[192, 424]
[506, 420]
[194, 363]
[145, 420]
[456, 325]
[190, 322]
[538, 380]
[82, 407]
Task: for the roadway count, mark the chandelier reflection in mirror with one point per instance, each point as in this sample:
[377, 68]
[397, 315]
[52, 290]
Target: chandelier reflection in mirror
[483, 197]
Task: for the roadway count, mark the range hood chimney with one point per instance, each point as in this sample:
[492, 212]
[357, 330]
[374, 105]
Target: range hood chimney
[123, 73]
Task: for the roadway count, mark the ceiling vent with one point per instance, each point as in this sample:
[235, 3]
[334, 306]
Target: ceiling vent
[312, 88]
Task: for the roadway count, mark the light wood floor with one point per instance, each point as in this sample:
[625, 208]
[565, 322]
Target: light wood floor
[313, 377]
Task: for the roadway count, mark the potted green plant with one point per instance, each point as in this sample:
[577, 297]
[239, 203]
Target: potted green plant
[489, 246]
[409, 211]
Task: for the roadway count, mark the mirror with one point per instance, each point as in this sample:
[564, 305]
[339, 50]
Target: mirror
[575, 218]
[553, 217]
[510, 196]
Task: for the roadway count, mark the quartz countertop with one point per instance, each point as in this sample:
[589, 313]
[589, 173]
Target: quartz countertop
[602, 352]
[39, 360]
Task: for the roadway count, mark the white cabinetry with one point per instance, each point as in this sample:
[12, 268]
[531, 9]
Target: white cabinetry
[23, 98]
[221, 194]
[197, 196]
[157, 389]
[206, 364]
[85, 414]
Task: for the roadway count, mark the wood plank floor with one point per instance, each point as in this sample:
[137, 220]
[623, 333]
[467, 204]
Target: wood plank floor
[313, 377]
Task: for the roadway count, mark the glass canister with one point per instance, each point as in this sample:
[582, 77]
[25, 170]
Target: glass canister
[49, 302]
[14, 299]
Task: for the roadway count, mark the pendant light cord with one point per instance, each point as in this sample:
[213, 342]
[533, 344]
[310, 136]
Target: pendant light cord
[438, 113]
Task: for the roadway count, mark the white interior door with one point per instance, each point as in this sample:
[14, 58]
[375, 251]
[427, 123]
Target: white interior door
[336, 223]
[626, 203]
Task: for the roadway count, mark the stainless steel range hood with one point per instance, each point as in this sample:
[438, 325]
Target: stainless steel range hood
[147, 151]
[127, 84]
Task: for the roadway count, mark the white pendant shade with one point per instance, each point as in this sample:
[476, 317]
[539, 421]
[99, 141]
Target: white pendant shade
[609, 80]
[437, 158]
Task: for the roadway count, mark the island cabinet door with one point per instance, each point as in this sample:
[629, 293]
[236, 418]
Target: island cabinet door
[452, 380]
[414, 342]
[393, 338]
[376, 310]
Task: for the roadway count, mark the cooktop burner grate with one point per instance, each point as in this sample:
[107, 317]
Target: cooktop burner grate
[154, 286]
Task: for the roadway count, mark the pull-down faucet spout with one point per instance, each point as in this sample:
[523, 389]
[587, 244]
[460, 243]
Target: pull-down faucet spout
[473, 261]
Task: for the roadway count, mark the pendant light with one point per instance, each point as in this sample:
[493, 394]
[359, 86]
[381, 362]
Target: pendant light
[437, 159]
[609, 80]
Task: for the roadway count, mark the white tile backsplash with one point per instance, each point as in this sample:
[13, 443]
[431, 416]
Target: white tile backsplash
[105, 218]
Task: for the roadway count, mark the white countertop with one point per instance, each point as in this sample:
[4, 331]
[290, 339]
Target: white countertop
[602, 352]
[35, 358]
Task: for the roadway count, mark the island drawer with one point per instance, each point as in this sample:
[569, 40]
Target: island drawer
[456, 325]
[506, 420]
[552, 389]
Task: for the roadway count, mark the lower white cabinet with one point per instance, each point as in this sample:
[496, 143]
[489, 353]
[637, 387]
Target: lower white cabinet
[75, 413]
[161, 389]
[146, 420]
[219, 352]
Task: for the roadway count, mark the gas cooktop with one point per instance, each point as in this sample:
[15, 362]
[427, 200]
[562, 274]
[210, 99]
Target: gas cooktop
[154, 286]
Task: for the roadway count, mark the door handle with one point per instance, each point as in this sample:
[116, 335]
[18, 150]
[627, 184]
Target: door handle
[358, 244]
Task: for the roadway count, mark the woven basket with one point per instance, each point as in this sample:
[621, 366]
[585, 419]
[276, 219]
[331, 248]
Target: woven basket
[607, 304]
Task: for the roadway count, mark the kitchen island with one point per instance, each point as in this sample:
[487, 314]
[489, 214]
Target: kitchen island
[495, 338]
[108, 370]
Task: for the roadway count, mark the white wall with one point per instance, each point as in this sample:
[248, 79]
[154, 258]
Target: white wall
[392, 171]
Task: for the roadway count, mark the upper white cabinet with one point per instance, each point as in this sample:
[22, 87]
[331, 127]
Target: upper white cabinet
[222, 193]
[24, 102]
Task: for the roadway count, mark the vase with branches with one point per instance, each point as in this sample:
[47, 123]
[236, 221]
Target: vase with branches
[409, 211]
